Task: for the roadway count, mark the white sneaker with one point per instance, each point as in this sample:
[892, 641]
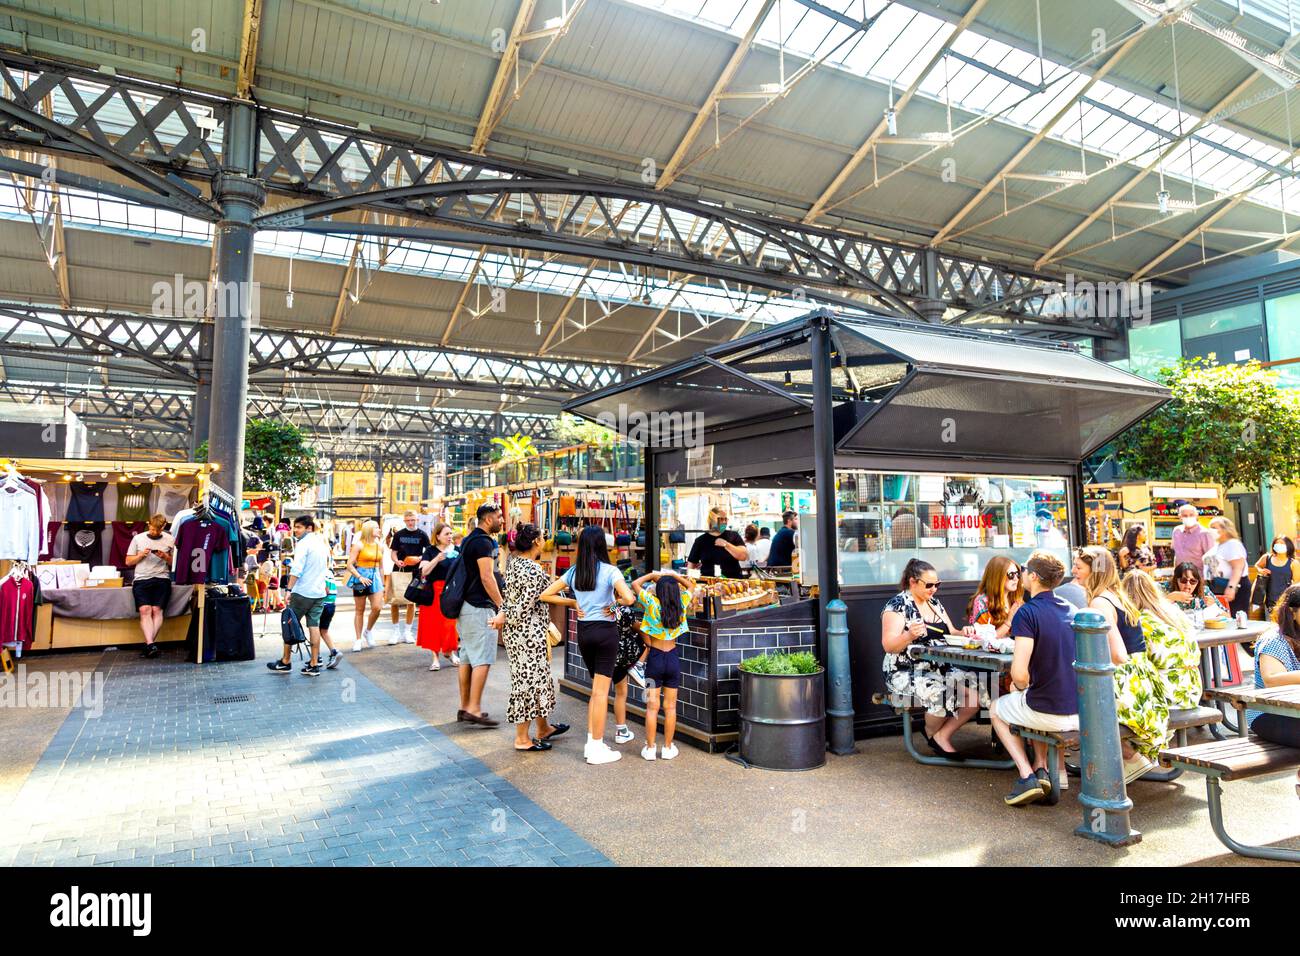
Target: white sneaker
[408, 636]
[668, 753]
[600, 752]
[648, 753]
[455, 659]
[359, 644]
[435, 666]
[396, 636]
[1135, 767]
[623, 735]
[368, 638]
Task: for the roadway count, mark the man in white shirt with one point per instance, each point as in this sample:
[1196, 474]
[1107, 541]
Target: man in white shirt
[306, 592]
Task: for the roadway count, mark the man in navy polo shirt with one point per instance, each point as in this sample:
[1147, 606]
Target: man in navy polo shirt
[1044, 695]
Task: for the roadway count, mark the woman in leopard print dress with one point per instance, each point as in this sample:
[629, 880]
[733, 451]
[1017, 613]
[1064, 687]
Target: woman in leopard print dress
[532, 690]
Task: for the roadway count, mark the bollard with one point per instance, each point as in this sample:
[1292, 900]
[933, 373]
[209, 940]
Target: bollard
[1106, 805]
[840, 699]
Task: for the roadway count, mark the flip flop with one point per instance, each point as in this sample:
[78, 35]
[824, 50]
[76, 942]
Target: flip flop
[556, 730]
[537, 745]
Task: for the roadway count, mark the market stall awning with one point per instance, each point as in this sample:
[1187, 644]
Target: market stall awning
[972, 394]
[926, 390]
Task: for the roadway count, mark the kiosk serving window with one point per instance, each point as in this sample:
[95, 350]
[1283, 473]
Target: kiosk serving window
[955, 521]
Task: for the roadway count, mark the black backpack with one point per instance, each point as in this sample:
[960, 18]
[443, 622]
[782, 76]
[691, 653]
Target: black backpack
[452, 598]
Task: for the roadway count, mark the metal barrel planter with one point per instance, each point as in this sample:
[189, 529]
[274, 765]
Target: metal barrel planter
[783, 720]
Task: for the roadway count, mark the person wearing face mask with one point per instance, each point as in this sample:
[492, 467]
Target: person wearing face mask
[718, 552]
[1279, 570]
[1191, 540]
[307, 591]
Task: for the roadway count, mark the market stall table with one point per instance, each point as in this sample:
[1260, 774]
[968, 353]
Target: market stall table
[1207, 639]
[100, 617]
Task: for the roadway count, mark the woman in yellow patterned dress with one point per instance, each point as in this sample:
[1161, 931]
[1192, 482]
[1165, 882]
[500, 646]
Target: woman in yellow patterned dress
[1170, 644]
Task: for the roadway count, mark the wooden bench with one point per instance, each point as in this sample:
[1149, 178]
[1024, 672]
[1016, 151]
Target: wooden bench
[1237, 758]
[1180, 721]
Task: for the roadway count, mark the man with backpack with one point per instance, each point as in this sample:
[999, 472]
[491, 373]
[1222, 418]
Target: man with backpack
[306, 592]
[472, 595]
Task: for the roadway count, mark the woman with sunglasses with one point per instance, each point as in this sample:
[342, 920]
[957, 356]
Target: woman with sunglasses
[1187, 589]
[1000, 594]
[915, 616]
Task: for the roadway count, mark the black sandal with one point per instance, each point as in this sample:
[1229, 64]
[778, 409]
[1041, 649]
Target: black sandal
[556, 730]
[537, 745]
[949, 754]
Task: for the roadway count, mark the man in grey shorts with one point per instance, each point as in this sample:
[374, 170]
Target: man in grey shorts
[481, 616]
[307, 591]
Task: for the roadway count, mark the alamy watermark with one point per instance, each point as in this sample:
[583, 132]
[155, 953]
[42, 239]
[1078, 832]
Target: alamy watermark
[656, 429]
[39, 689]
[190, 298]
[1089, 300]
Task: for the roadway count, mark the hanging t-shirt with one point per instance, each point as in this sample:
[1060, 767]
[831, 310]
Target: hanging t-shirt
[52, 551]
[151, 566]
[17, 610]
[86, 542]
[202, 547]
[57, 491]
[172, 499]
[133, 502]
[87, 502]
[123, 533]
[20, 534]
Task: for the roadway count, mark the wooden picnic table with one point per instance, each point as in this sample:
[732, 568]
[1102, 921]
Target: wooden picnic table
[1284, 701]
[1208, 640]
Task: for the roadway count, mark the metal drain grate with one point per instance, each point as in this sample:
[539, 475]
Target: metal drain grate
[233, 699]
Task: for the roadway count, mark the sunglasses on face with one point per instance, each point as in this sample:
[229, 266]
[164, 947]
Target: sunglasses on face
[1013, 574]
[929, 586]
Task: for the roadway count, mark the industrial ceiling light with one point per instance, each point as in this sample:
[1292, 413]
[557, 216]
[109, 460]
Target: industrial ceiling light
[1162, 201]
[891, 121]
[288, 296]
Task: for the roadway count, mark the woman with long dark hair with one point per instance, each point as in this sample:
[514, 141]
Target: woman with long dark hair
[1277, 664]
[1187, 589]
[665, 597]
[433, 631]
[1279, 570]
[596, 586]
[532, 691]
[915, 616]
[1134, 551]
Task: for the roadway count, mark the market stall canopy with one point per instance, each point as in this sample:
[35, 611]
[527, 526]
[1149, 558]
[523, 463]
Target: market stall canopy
[916, 389]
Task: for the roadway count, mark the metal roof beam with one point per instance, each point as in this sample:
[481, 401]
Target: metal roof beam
[1111, 62]
[507, 63]
[673, 166]
[248, 39]
[861, 153]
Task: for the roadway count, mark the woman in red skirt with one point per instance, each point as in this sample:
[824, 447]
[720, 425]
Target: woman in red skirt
[433, 631]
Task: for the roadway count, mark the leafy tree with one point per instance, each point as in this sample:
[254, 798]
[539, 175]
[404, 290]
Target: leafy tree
[514, 448]
[1229, 424]
[572, 430]
[276, 457]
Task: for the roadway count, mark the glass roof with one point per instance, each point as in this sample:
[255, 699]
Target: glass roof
[995, 80]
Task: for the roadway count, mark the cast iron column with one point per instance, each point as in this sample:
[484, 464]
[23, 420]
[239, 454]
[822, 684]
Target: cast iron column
[840, 716]
[201, 409]
[653, 541]
[240, 198]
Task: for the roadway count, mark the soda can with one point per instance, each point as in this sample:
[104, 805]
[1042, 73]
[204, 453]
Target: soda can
[1241, 619]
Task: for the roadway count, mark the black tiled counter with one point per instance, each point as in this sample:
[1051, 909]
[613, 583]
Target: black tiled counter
[708, 703]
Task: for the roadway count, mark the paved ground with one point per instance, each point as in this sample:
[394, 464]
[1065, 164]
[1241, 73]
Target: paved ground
[329, 771]
[367, 764]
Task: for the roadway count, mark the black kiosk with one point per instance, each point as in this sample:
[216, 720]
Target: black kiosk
[948, 444]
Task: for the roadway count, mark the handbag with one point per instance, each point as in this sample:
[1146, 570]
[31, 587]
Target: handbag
[419, 591]
[677, 537]
[553, 636]
[630, 643]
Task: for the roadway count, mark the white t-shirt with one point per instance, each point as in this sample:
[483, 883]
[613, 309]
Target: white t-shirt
[757, 553]
[1218, 559]
[151, 566]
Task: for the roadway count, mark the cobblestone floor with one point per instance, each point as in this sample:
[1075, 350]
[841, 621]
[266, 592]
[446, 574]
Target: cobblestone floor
[329, 771]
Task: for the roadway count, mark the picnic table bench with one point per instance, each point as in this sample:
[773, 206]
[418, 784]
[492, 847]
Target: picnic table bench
[1242, 758]
[1180, 721]
[1209, 640]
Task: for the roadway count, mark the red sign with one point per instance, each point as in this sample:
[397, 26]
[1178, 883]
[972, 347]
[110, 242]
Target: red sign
[955, 522]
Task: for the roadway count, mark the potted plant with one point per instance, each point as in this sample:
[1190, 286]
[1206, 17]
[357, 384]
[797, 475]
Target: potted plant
[783, 711]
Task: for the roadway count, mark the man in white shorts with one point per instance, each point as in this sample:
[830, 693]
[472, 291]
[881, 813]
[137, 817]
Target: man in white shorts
[1044, 695]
